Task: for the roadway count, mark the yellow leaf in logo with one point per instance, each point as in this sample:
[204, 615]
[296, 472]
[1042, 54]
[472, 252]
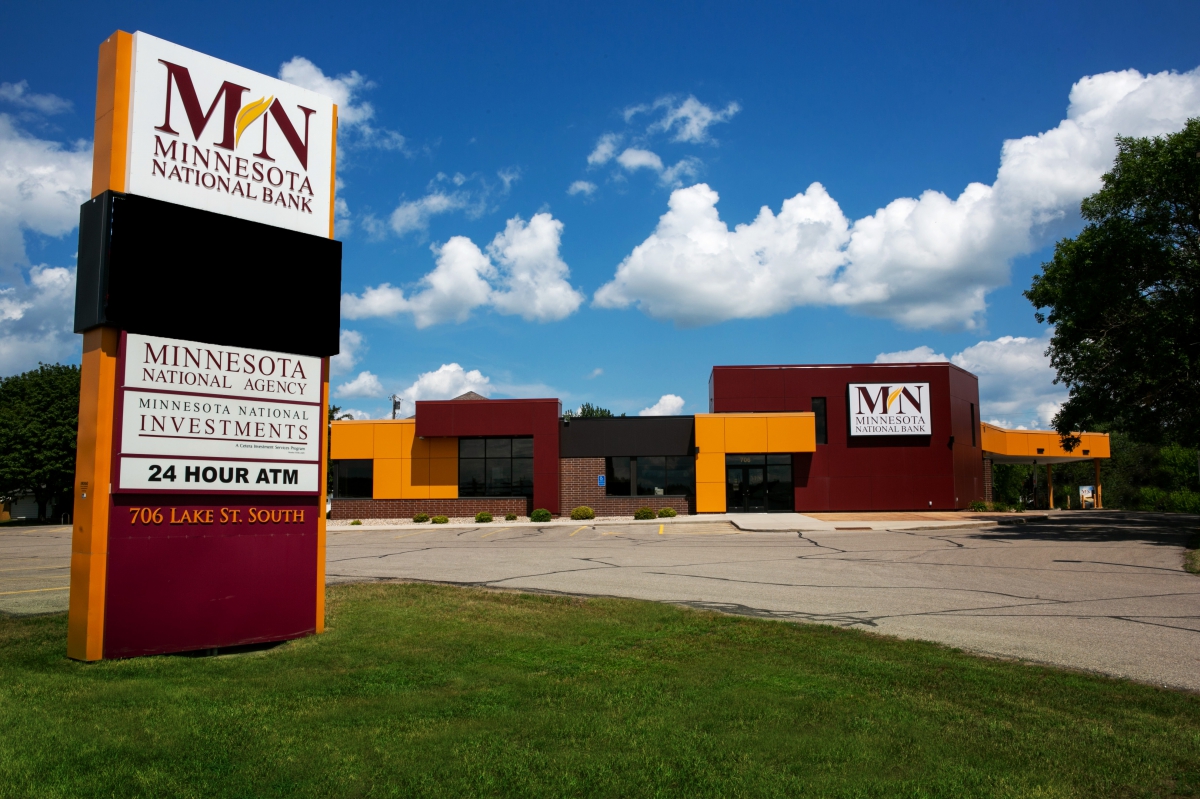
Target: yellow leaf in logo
[249, 113]
[891, 399]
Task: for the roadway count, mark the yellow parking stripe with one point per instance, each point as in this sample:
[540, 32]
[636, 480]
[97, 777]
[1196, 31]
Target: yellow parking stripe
[35, 590]
[660, 529]
[581, 528]
[493, 532]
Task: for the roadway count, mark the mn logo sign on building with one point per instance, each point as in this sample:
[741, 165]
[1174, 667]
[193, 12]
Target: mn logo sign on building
[208, 299]
[889, 409]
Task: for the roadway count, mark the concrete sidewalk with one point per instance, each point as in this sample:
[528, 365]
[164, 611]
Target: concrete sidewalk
[756, 522]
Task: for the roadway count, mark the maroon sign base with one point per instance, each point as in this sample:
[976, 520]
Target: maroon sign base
[189, 572]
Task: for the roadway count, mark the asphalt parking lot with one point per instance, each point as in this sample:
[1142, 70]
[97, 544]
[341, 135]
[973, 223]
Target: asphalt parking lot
[1104, 592]
[1101, 591]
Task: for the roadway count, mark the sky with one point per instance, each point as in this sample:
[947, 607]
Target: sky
[601, 203]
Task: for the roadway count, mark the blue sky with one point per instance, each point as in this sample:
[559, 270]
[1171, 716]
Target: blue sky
[460, 118]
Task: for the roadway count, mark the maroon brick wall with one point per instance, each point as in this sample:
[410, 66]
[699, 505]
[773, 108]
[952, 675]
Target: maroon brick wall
[987, 480]
[577, 484]
[407, 508]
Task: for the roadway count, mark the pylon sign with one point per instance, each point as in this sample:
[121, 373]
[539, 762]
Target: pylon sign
[208, 292]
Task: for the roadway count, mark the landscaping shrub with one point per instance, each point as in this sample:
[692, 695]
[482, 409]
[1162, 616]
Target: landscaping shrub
[356, 521]
[644, 513]
[483, 517]
[540, 515]
[667, 513]
[421, 517]
[978, 506]
[510, 517]
[439, 520]
[583, 512]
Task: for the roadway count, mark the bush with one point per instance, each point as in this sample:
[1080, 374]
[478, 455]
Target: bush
[667, 513]
[439, 520]
[978, 506]
[483, 517]
[421, 517]
[583, 512]
[540, 515]
[356, 521]
[642, 514]
[510, 517]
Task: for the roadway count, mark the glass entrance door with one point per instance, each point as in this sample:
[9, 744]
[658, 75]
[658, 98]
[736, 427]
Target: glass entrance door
[758, 483]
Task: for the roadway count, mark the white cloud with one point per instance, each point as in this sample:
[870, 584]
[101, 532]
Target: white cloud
[365, 386]
[42, 185]
[1016, 381]
[508, 177]
[584, 187]
[634, 159]
[924, 262]
[414, 215]
[344, 90]
[605, 149]
[533, 278]
[36, 320]
[449, 381]
[528, 279]
[350, 351]
[689, 118]
[922, 354]
[595, 373]
[354, 413]
[667, 405]
[18, 94]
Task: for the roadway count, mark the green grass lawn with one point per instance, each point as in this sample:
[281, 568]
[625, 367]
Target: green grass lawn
[431, 690]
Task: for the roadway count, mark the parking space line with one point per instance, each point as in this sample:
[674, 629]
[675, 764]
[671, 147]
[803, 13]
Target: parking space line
[660, 529]
[493, 532]
[418, 532]
[572, 535]
[35, 590]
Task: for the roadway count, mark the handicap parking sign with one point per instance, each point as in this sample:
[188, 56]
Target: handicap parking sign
[600, 480]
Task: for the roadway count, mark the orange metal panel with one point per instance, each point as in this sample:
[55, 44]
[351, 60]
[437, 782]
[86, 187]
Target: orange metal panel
[710, 497]
[320, 609]
[443, 478]
[443, 448]
[417, 486]
[420, 446]
[352, 441]
[745, 433]
[1097, 444]
[333, 171]
[710, 467]
[710, 433]
[93, 459]
[389, 439]
[110, 151]
[389, 479]
[792, 433]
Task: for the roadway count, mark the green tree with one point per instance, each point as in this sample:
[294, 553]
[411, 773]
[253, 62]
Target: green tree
[1122, 296]
[589, 411]
[39, 422]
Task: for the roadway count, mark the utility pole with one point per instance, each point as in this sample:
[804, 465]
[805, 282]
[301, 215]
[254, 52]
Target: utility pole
[397, 403]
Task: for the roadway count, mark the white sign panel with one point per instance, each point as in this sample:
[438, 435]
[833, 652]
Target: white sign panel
[189, 425]
[212, 135]
[167, 364]
[889, 409]
[174, 474]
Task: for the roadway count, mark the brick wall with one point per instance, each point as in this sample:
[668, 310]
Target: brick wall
[577, 484]
[407, 508]
[987, 480]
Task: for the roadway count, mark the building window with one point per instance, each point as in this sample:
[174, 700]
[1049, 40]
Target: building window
[495, 467]
[353, 479]
[818, 406]
[973, 425]
[650, 476]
